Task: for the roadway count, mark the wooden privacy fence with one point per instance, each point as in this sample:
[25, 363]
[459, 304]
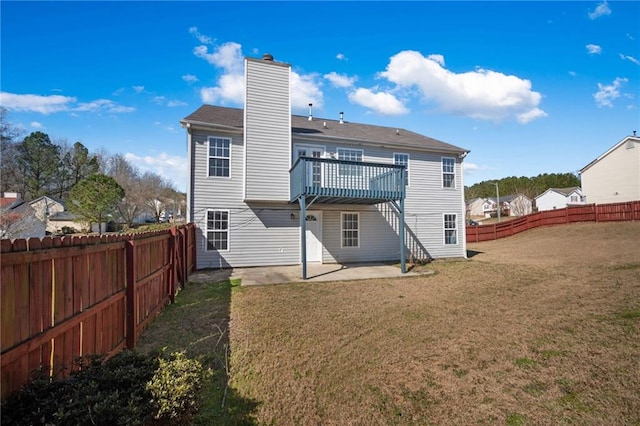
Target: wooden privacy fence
[71, 296]
[587, 213]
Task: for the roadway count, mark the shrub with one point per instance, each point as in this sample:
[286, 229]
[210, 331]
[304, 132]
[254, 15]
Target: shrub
[68, 230]
[175, 387]
[113, 392]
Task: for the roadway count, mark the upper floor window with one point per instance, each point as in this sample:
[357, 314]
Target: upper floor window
[448, 172]
[350, 155]
[574, 198]
[217, 230]
[450, 230]
[219, 156]
[403, 160]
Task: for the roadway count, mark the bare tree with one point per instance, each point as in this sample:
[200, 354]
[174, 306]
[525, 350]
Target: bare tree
[157, 193]
[10, 174]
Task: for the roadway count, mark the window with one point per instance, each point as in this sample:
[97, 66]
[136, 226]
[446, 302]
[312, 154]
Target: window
[350, 155]
[450, 231]
[350, 230]
[219, 153]
[217, 230]
[403, 160]
[448, 172]
[574, 198]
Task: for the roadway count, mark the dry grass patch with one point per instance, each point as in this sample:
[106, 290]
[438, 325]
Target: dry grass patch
[541, 328]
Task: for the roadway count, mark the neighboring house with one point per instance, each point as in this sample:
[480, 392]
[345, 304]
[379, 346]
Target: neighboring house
[512, 205]
[37, 218]
[559, 198]
[18, 219]
[45, 207]
[614, 177]
[480, 207]
[516, 205]
[270, 188]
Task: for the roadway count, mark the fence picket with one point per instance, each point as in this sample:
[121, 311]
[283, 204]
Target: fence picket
[70, 296]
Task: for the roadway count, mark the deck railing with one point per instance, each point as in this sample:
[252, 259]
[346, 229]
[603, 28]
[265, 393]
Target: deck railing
[331, 178]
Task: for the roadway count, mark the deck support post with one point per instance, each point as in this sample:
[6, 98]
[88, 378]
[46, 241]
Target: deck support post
[303, 235]
[403, 261]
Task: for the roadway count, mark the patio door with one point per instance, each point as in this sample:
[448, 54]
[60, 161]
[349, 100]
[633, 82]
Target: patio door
[314, 173]
[314, 236]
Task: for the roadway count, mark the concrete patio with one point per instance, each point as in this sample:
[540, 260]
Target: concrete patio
[315, 272]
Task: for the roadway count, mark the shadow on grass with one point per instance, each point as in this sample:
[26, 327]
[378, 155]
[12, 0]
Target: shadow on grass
[198, 324]
[471, 253]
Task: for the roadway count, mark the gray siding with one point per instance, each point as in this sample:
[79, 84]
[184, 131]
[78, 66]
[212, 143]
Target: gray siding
[259, 235]
[264, 233]
[425, 204]
[267, 130]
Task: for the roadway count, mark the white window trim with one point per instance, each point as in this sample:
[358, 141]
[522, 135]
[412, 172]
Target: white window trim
[206, 235]
[342, 230]
[309, 146]
[455, 181]
[408, 162]
[209, 156]
[444, 229]
[349, 149]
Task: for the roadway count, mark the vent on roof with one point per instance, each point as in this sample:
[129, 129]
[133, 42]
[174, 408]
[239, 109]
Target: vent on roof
[341, 117]
[310, 112]
[267, 57]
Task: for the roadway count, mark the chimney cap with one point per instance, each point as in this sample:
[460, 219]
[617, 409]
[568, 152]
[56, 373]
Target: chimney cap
[267, 57]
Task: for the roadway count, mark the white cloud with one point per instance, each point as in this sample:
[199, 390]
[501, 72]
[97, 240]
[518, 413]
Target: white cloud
[201, 38]
[229, 59]
[230, 88]
[601, 10]
[305, 90]
[36, 103]
[480, 94]
[227, 56]
[629, 58]
[138, 89]
[380, 102]
[341, 57]
[36, 125]
[170, 167]
[469, 168]
[606, 94]
[340, 80]
[572, 73]
[56, 103]
[176, 103]
[593, 49]
[102, 105]
[161, 100]
[190, 78]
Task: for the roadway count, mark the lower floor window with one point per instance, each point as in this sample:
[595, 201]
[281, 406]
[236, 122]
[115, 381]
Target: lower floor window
[450, 231]
[217, 230]
[350, 230]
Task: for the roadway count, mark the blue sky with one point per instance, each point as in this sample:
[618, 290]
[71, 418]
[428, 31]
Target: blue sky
[528, 87]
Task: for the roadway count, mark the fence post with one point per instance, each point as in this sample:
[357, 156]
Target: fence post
[130, 325]
[173, 269]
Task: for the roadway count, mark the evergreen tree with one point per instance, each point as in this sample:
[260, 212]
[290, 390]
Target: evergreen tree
[95, 198]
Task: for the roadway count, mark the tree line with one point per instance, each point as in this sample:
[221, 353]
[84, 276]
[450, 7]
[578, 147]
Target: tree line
[531, 187]
[95, 186]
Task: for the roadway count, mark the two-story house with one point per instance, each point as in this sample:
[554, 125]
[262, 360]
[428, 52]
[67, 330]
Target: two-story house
[270, 188]
[614, 177]
[559, 198]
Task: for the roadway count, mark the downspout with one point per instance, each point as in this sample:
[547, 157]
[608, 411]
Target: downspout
[190, 174]
[303, 235]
